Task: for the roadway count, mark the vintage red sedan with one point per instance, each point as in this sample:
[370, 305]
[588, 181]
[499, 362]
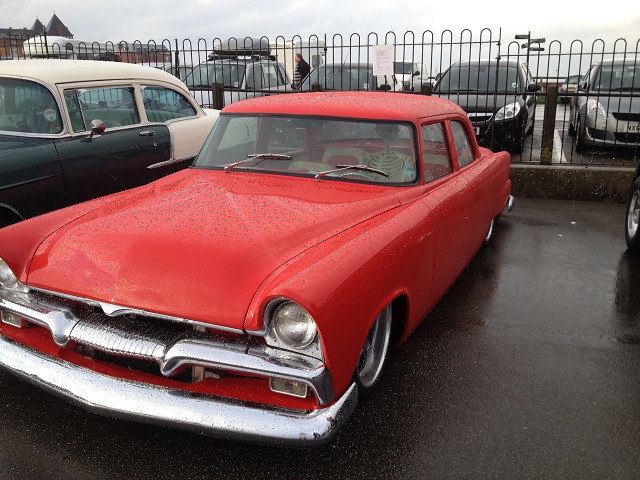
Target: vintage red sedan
[255, 295]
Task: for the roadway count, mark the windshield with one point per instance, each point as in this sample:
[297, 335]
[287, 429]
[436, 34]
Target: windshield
[403, 68]
[479, 78]
[618, 77]
[229, 74]
[340, 78]
[330, 149]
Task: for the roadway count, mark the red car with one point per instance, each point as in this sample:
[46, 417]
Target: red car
[255, 295]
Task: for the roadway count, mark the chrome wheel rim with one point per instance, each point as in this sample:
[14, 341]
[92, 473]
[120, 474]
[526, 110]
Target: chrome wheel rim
[489, 232]
[633, 215]
[375, 349]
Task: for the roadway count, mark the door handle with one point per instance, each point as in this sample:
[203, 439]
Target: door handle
[147, 133]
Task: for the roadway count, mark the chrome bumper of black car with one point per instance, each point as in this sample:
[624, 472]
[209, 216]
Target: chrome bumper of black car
[217, 416]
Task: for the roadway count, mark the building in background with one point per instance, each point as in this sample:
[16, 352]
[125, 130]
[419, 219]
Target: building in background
[11, 39]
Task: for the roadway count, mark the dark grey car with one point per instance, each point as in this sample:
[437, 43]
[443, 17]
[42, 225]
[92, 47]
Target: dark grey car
[606, 111]
[498, 96]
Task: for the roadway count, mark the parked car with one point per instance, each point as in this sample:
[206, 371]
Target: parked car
[256, 295]
[632, 219]
[499, 97]
[74, 130]
[410, 76]
[606, 113]
[568, 88]
[244, 68]
[345, 77]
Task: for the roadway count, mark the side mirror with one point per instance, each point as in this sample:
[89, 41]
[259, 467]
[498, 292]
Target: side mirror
[533, 87]
[97, 128]
[416, 73]
[582, 86]
[384, 87]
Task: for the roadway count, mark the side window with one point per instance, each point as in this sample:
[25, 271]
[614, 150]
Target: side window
[115, 106]
[254, 78]
[462, 143]
[28, 107]
[273, 79]
[435, 154]
[162, 104]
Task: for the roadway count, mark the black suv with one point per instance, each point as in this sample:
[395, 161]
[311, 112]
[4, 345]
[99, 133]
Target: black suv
[499, 97]
[245, 68]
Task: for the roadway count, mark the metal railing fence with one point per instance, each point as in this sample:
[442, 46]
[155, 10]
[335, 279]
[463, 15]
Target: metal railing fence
[549, 62]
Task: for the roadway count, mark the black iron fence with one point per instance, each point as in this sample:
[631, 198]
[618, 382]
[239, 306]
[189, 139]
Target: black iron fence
[548, 102]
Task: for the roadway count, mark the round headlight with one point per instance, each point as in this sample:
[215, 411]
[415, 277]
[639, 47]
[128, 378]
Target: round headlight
[293, 325]
[7, 278]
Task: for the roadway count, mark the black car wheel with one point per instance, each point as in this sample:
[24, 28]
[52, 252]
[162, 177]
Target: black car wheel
[632, 230]
[580, 147]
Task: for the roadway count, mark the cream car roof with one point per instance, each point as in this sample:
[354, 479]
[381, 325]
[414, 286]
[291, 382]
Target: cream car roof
[58, 72]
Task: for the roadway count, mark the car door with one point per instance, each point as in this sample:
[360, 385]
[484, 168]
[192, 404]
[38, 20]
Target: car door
[31, 179]
[119, 158]
[445, 197]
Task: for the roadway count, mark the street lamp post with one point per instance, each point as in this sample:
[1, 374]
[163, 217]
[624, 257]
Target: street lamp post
[529, 44]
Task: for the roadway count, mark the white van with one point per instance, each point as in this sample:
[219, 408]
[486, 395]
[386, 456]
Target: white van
[410, 76]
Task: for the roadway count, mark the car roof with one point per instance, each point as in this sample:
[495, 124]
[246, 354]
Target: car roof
[56, 71]
[345, 65]
[366, 105]
[508, 61]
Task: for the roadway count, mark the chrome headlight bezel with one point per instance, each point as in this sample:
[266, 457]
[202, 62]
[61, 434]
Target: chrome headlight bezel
[8, 280]
[290, 327]
[509, 112]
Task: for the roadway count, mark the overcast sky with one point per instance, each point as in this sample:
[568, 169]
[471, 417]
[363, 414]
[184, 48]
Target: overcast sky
[144, 20]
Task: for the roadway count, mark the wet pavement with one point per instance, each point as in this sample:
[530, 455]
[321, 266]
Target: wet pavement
[527, 368]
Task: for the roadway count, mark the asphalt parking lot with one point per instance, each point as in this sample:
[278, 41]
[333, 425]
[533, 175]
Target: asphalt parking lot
[527, 368]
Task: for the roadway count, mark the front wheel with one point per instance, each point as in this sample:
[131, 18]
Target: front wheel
[489, 232]
[374, 353]
[632, 235]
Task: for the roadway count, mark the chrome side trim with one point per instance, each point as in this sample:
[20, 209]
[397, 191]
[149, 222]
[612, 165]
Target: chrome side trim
[205, 414]
[168, 162]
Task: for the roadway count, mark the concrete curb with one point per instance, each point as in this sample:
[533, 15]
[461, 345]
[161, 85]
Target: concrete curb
[569, 182]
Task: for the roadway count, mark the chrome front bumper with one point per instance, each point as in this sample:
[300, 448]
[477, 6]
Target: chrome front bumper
[205, 414]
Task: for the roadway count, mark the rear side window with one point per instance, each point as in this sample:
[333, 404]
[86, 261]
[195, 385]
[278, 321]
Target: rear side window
[28, 107]
[162, 104]
[115, 106]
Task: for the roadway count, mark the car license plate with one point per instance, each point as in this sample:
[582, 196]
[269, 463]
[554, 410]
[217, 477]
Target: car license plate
[634, 127]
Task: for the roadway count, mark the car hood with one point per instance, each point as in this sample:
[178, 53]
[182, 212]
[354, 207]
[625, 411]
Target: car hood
[198, 244]
[475, 102]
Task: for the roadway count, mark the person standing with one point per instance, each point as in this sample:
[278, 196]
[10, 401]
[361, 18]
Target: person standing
[300, 72]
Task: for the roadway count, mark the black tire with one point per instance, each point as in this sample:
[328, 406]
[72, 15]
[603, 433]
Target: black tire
[580, 147]
[632, 219]
[374, 353]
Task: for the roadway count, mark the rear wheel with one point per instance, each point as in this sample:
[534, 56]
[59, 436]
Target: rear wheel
[374, 353]
[632, 235]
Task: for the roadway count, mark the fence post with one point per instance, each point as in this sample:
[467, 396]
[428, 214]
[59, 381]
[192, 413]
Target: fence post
[425, 89]
[549, 124]
[217, 96]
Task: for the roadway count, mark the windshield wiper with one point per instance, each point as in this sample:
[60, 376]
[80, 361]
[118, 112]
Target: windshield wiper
[258, 156]
[340, 168]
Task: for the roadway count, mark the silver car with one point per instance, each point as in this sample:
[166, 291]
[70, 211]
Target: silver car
[606, 111]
